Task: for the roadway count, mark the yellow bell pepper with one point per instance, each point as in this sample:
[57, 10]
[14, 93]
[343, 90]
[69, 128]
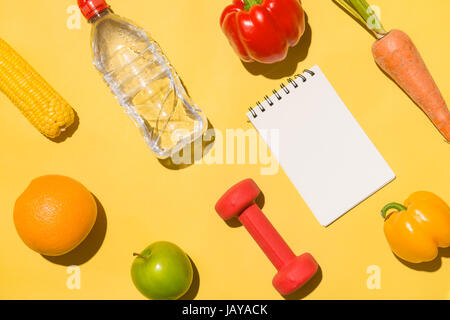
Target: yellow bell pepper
[418, 228]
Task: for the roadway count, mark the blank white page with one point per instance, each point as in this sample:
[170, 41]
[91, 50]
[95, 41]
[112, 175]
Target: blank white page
[323, 150]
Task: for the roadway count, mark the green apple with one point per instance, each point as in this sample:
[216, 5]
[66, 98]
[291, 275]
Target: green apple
[162, 271]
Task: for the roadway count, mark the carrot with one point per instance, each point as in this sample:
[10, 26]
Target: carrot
[396, 55]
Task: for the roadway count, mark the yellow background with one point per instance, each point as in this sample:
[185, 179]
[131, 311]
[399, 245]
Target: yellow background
[145, 202]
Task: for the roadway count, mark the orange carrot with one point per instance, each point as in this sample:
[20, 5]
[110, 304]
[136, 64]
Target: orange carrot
[397, 55]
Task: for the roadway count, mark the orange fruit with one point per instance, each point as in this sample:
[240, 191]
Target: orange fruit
[54, 214]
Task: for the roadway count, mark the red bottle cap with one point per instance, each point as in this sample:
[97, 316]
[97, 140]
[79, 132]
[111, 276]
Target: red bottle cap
[91, 7]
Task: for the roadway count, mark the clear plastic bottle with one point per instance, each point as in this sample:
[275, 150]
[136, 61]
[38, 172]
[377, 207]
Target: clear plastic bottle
[142, 79]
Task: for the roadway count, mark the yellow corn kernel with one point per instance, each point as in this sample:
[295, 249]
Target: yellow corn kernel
[36, 99]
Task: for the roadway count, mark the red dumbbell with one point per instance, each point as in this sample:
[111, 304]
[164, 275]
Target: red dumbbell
[293, 271]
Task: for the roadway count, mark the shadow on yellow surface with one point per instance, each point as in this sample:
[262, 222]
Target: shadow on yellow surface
[430, 266]
[69, 131]
[195, 286]
[288, 66]
[307, 288]
[90, 246]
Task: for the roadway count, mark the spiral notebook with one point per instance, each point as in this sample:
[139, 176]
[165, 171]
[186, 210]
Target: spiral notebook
[323, 150]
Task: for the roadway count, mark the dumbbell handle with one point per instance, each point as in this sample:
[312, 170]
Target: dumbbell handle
[267, 237]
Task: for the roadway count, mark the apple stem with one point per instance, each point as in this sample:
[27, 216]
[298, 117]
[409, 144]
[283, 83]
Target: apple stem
[138, 255]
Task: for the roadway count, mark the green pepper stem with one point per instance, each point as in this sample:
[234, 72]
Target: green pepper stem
[393, 205]
[250, 3]
[362, 12]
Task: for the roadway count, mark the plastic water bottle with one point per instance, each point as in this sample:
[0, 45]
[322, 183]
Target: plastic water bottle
[142, 79]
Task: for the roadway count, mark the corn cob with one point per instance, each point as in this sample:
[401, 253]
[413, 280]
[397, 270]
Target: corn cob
[32, 95]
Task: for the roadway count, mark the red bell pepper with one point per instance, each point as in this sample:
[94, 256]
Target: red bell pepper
[263, 30]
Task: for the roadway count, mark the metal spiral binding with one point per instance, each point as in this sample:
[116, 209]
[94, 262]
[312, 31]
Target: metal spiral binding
[277, 94]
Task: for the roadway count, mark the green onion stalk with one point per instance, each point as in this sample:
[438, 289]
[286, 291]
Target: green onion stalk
[364, 13]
